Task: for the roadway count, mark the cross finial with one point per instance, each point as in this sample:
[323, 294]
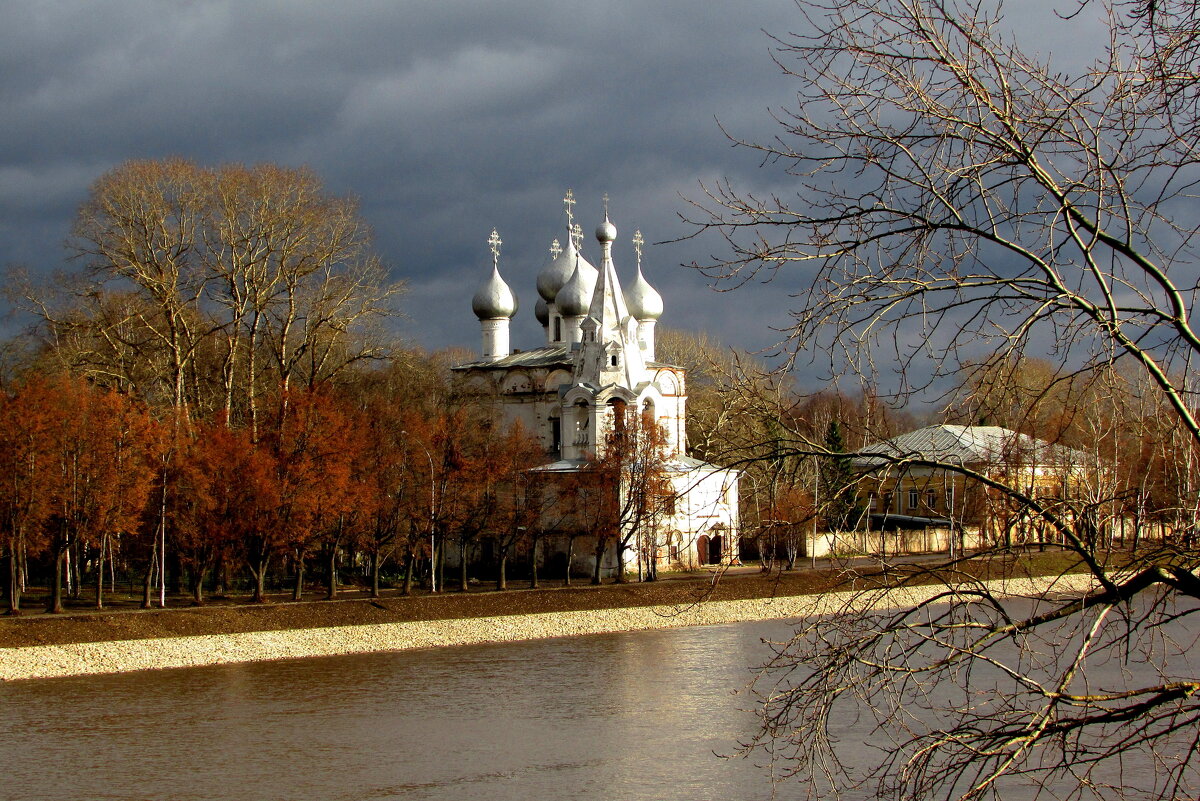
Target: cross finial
[577, 235]
[495, 243]
[555, 249]
[606, 205]
[569, 204]
[637, 246]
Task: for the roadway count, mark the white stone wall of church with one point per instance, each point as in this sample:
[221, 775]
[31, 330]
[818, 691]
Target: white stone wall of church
[704, 504]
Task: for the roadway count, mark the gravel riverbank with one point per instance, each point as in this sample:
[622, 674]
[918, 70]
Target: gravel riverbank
[150, 653]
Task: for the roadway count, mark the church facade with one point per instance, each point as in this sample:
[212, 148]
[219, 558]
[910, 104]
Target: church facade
[596, 365]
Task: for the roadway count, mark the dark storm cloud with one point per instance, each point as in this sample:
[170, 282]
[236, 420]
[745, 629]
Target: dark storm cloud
[444, 119]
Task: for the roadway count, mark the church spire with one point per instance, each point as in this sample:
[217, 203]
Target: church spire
[610, 352]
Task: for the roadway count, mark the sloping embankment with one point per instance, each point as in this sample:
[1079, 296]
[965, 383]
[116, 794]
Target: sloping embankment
[46, 661]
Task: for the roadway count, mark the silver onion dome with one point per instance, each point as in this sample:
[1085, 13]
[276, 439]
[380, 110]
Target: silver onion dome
[559, 270]
[494, 300]
[542, 312]
[643, 300]
[575, 297]
[606, 232]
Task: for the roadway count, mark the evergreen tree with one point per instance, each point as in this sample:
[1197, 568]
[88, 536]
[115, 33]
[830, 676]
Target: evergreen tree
[837, 482]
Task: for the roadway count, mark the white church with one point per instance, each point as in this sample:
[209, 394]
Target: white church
[597, 361]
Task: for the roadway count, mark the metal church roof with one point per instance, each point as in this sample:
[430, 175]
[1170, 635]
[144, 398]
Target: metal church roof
[545, 356]
[969, 445]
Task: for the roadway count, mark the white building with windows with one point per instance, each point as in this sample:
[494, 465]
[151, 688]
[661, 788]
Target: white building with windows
[597, 362]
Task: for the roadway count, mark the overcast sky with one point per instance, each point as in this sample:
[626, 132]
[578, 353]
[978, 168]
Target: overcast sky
[445, 119]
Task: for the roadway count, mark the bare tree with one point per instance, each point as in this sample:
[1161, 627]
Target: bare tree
[141, 225]
[221, 284]
[961, 205]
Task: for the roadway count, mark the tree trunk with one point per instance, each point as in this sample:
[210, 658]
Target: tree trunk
[260, 580]
[74, 572]
[14, 582]
[148, 576]
[533, 565]
[570, 557]
[298, 588]
[197, 582]
[331, 577]
[439, 564]
[409, 562]
[100, 572]
[375, 565]
[56, 590]
[600, 548]
[501, 578]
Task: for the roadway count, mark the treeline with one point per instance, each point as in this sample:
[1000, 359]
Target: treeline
[1142, 480]
[213, 398]
[390, 468]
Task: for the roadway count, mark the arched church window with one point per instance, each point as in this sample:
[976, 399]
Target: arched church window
[648, 410]
[581, 423]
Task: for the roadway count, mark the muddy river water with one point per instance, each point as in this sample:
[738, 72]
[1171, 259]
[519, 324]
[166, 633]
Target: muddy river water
[643, 715]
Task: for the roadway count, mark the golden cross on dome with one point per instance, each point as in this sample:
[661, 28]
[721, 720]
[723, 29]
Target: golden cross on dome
[495, 243]
[637, 246]
[569, 203]
[577, 235]
[555, 249]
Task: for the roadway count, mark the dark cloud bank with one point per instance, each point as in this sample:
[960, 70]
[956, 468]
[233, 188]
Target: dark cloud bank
[444, 119]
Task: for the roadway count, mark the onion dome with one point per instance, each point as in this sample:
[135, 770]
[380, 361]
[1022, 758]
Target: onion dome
[606, 232]
[575, 297]
[643, 300]
[494, 300]
[559, 270]
[541, 310]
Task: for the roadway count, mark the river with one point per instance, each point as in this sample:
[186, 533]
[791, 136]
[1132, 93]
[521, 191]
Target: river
[630, 716]
[641, 715]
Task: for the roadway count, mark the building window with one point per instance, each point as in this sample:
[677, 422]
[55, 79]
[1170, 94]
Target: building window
[931, 499]
[558, 329]
[914, 499]
[612, 360]
[886, 502]
[949, 499]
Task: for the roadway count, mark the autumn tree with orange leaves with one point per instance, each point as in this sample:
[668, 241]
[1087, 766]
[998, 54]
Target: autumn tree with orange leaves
[631, 491]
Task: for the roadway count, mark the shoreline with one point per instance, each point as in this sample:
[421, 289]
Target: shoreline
[121, 656]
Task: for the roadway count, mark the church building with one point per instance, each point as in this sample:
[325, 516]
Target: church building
[595, 365]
